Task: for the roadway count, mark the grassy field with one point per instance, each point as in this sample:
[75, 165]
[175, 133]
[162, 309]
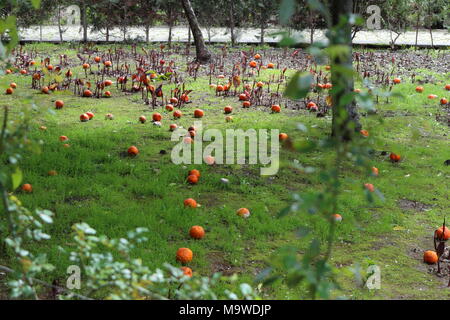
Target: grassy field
[114, 193]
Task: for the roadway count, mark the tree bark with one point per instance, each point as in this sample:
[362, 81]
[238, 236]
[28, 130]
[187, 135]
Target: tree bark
[345, 116]
[85, 27]
[202, 53]
[233, 39]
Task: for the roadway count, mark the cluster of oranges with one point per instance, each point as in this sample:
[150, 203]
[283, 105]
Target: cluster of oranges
[442, 234]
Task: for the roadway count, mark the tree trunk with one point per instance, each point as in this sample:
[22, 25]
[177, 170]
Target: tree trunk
[107, 34]
[85, 27]
[147, 33]
[203, 55]
[169, 41]
[345, 116]
[233, 40]
[262, 33]
[431, 35]
[417, 28]
[59, 25]
[189, 36]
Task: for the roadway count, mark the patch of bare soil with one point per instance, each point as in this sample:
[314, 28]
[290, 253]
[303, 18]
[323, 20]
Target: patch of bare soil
[444, 117]
[219, 264]
[407, 204]
[417, 252]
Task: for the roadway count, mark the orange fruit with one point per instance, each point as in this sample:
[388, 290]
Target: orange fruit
[184, 255]
[430, 257]
[173, 127]
[156, 116]
[187, 271]
[142, 119]
[228, 109]
[169, 107]
[177, 114]
[365, 133]
[59, 104]
[419, 89]
[282, 136]
[87, 93]
[133, 151]
[369, 187]
[190, 203]
[192, 179]
[243, 212]
[375, 171]
[253, 64]
[394, 157]
[63, 138]
[337, 217]
[194, 172]
[27, 188]
[84, 117]
[198, 113]
[397, 80]
[442, 234]
[246, 104]
[276, 108]
[9, 90]
[197, 232]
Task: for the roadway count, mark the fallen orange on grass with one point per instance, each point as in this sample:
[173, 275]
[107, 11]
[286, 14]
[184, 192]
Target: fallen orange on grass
[133, 151]
[84, 117]
[283, 136]
[27, 188]
[190, 203]
[169, 107]
[187, 271]
[337, 217]
[365, 133]
[59, 104]
[177, 114]
[198, 113]
[156, 117]
[375, 171]
[394, 157]
[194, 172]
[369, 187]
[430, 257]
[197, 232]
[276, 108]
[192, 179]
[243, 212]
[184, 255]
[142, 119]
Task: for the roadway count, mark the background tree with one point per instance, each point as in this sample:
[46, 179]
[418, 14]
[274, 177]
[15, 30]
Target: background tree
[203, 55]
[170, 12]
[263, 11]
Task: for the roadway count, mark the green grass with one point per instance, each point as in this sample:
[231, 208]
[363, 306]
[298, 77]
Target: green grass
[113, 193]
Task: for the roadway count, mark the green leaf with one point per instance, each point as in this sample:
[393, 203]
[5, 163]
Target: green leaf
[299, 85]
[287, 8]
[36, 3]
[16, 178]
